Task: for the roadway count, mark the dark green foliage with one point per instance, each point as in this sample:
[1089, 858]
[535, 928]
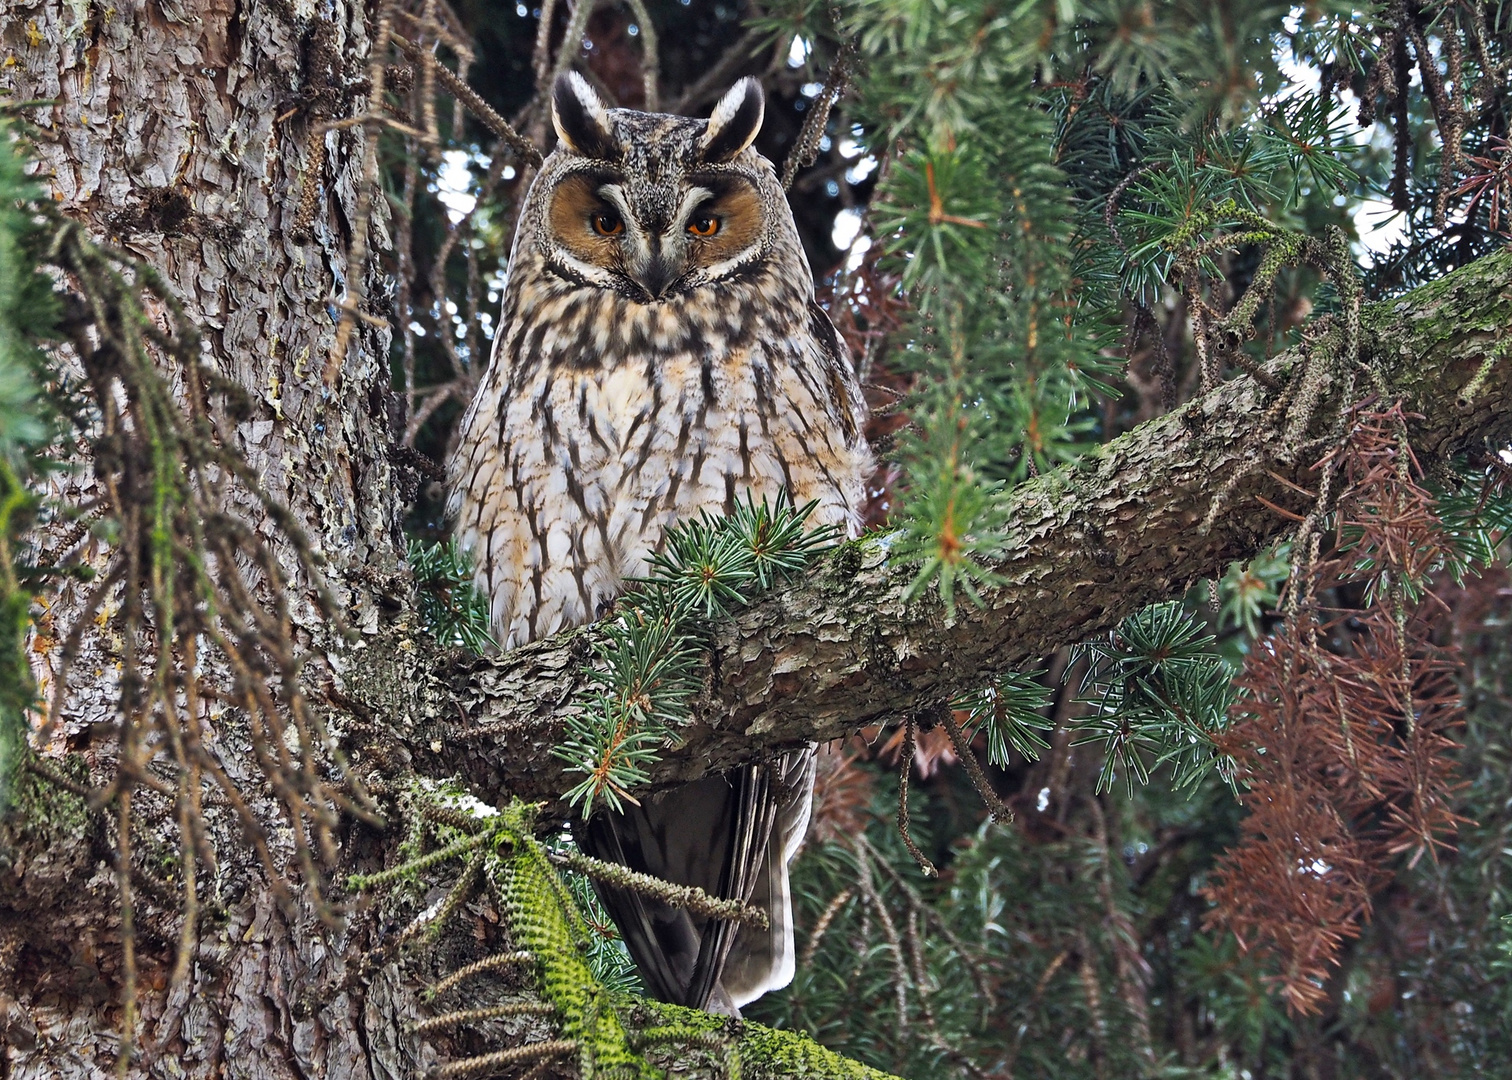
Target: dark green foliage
[1476, 512]
[778, 538]
[1011, 709]
[451, 607]
[708, 565]
[1158, 695]
[1064, 187]
[28, 309]
[636, 703]
[1046, 180]
[702, 568]
[1021, 960]
[952, 524]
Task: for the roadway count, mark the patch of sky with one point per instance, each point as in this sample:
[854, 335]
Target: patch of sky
[454, 182]
[1377, 224]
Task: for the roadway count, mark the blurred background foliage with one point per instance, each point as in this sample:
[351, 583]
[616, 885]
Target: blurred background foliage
[1010, 217]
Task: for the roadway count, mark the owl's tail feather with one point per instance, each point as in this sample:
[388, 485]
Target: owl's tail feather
[732, 836]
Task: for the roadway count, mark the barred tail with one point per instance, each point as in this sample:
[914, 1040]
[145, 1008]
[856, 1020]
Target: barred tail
[733, 836]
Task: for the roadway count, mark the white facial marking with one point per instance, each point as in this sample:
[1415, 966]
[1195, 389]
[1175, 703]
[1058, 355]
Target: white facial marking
[694, 196]
[726, 267]
[587, 271]
[640, 243]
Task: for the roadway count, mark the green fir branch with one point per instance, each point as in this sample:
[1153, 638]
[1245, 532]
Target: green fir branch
[559, 933]
[648, 656]
[1011, 708]
[452, 609]
[1158, 694]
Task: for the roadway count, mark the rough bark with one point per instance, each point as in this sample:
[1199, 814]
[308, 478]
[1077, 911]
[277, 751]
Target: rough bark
[177, 130]
[1087, 546]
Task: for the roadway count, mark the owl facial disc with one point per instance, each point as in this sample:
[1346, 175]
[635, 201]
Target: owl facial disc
[653, 206]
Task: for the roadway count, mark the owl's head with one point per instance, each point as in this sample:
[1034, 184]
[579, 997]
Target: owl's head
[653, 206]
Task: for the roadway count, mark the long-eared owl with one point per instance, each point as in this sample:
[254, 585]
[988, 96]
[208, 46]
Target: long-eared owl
[659, 353]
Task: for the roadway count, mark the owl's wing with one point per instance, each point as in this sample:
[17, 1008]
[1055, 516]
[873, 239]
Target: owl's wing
[720, 834]
[847, 403]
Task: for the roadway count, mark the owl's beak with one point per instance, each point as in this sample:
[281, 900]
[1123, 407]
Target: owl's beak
[657, 271]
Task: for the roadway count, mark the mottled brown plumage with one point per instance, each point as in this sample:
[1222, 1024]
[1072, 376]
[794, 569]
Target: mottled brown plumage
[660, 353]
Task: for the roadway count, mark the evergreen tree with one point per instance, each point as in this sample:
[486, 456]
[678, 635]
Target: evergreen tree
[1253, 828]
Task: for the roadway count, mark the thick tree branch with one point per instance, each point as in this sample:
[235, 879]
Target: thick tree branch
[1087, 546]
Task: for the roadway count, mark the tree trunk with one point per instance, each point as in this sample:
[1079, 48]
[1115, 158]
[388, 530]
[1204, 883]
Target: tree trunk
[178, 130]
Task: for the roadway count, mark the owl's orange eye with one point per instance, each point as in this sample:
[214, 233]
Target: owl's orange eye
[608, 224]
[704, 225]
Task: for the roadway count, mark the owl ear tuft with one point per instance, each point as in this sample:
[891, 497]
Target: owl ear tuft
[580, 117]
[734, 122]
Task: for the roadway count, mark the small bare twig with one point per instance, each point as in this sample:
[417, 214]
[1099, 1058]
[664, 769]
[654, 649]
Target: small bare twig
[572, 39]
[677, 896]
[491, 1012]
[838, 901]
[485, 1064]
[995, 806]
[806, 145]
[889, 931]
[497, 962]
[650, 60]
[905, 767]
[523, 147]
[713, 81]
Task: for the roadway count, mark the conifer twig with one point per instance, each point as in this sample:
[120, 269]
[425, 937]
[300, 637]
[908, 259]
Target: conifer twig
[364, 882]
[838, 901]
[496, 962]
[995, 806]
[677, 896]
[806, 145]
[491, 1012]
[889, 930]
[905, 767]
[522, 146]
[978, 975]
[489, 1063]
[461, 893]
